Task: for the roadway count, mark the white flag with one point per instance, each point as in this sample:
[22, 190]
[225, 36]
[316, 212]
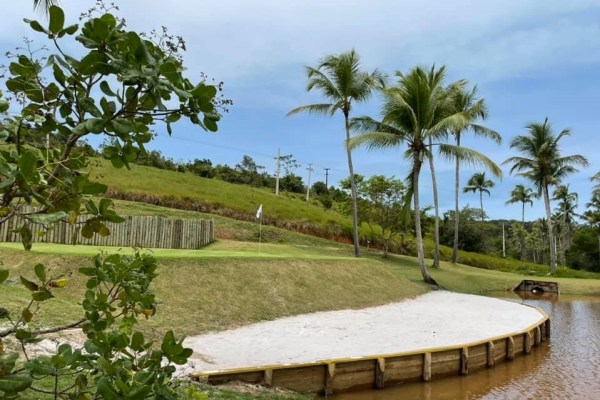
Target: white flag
[259, 212]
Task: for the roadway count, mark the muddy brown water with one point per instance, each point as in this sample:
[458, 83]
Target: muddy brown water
[566, 367]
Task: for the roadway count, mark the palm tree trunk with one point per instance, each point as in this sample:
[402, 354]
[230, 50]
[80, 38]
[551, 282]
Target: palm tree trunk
[564, 243]
[436, 228]
[419, 236]
[456, 211]
[481, 204]
[352, 189]
[523, 232]
[550, 232]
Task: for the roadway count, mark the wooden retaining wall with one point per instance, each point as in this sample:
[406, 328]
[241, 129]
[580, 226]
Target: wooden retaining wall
[136, 231]
[334, 376]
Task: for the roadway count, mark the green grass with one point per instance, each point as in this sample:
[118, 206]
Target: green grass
[216, 194]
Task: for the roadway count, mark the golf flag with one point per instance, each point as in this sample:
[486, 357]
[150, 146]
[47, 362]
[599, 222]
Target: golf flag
[259, 212]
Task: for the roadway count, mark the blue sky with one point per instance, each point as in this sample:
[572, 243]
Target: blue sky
[530, 60]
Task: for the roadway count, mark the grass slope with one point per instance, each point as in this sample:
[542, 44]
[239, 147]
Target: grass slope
[215, 193]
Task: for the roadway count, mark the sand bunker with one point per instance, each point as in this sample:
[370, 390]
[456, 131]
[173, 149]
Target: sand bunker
[436, 319]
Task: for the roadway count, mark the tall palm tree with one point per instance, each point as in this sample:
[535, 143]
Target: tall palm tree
[414, 110]
[543, 165]
[565, 212]
[479, 183]
[473, 108]
[342, 82]
[523, 195]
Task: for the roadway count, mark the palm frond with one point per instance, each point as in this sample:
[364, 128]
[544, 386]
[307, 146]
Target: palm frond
[325, 109]
[375, 140]
[470, 157]
[44, 4]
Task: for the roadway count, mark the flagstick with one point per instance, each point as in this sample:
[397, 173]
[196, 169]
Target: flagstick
[259, 232]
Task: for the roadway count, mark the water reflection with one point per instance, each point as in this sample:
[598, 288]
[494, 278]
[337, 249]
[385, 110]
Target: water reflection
[566, 367]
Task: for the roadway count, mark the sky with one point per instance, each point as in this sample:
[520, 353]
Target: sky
[531, 60]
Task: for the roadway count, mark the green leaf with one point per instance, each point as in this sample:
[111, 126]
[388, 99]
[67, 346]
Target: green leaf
[94, 63]
[69, 30]
[42, 295]
[22, 334]
[87, 271]
[7, 183]
[104, 204]
[27, 315]
[40, 272]
[137, 341]
[27, 163]
[91, 207]
[210, 124]
[36, 26]
[103, 230]
[94, 188]
[95, 125]
[29, 284]
[140, 393]
[47, 219]
[105, 87]
[107, 390]
[26, 237]
[13, 384]
[170, 70]
[59, 75]
[122, 126]
[3, 274]
[57, 19]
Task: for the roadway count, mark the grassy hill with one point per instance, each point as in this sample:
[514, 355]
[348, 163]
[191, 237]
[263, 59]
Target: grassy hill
[191, 192]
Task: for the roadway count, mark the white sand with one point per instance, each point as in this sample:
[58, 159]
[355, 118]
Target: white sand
[436, 319]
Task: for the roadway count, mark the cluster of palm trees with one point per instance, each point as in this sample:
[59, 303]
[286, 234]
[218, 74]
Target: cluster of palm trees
[420, 113]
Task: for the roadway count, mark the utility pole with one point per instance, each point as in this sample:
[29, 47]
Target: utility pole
[277, 173]
[310, 170]
[503, 242]
[327, 178]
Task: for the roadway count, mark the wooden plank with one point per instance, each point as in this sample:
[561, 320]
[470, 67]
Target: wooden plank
[490, 354]
[510, 348]
[527, 342]
[329, 376]
[404, 369]
[354, 375]
[380, 373]
[300, 379]
[268, 377]
[445, 363]
[427, 367]
[464, 361]
[477, 357]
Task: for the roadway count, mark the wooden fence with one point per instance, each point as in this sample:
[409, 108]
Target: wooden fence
[136, 231]
[333, 376]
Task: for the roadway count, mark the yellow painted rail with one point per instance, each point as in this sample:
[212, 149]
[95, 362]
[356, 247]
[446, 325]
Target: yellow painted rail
[378, 371]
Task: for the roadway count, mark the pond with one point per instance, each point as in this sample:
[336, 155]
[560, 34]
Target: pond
[566, 367]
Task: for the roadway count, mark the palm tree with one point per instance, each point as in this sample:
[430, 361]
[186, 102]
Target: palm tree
[414, 110]
[473, 108]
[596, 180]
[566, 215]
[542, 164]
[44, 4]
[478, 183]
[523, 195]
[341, 81]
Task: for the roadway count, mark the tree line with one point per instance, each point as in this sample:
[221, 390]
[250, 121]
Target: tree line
[424, 117]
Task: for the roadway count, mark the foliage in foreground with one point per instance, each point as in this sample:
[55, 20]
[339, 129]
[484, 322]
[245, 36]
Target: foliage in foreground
[123, 84]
